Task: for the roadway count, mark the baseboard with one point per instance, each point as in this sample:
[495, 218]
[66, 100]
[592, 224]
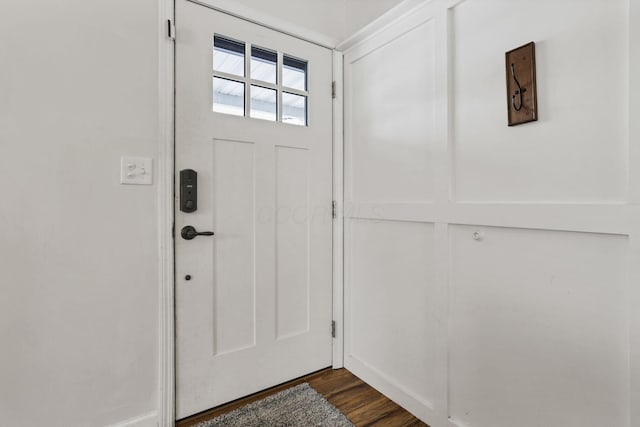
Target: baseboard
[420, 409]
[146, 420]
[454, 423]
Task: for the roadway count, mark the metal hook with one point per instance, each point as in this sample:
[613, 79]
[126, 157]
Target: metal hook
[518, 93]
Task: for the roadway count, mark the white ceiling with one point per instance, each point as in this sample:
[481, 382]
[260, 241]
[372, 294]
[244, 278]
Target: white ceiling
[359, 13]
[337, 19]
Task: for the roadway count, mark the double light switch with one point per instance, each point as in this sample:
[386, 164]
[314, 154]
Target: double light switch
[136, 170]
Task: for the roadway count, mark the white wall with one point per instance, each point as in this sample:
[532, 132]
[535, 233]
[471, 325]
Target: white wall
[78, 251]
[634, 200]
[531, 323]
[590, 163]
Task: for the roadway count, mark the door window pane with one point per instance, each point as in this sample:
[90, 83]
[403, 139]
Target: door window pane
[263, 65]
[228, 96]
[277, 87]
[294, 109]
[264, 103]
[228, 56]
[294, 73]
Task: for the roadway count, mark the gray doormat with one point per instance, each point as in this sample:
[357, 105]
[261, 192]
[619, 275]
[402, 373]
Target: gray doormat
[299, 406]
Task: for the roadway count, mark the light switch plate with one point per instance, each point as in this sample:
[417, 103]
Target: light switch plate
[136, 170]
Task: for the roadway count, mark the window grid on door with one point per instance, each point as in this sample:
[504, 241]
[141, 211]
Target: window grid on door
[258, 82]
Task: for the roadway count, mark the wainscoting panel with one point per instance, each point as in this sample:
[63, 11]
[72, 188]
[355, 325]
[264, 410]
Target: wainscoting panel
[577, 150]
[390, 321]
[547, 329]
[490, 271]
[393, 158]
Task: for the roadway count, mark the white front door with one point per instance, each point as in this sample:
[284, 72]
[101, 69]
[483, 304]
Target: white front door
[254, 120]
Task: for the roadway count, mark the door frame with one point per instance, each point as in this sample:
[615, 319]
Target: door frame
[166, 174]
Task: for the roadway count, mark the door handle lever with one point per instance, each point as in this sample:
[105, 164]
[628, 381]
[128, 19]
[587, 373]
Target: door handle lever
[189, 233]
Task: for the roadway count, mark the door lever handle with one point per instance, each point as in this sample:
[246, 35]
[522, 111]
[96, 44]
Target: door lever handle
[189, 233]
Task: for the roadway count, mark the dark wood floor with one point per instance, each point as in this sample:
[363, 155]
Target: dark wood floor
[360, 402]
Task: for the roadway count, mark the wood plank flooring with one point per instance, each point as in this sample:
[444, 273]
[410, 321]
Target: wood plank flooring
[360, 402]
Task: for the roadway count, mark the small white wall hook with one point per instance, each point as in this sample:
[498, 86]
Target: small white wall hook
[478, 235]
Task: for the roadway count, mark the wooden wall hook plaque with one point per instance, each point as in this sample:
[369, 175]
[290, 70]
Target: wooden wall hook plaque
[522, 102]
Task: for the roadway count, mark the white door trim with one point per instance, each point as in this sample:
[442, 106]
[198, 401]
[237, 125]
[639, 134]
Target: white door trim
[166, 317]
[165, 177]
[338, 222]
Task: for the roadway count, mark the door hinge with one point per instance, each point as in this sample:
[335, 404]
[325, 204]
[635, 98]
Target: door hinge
[333, 90]
[334, 209]
[171, 30]
[333, 329]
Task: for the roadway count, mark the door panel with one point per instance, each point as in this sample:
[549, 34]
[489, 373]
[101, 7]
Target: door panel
[253, 302]
[292, 241]
[233, 255]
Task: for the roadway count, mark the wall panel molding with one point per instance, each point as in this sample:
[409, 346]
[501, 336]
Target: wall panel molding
[599, 214]
[634, 209]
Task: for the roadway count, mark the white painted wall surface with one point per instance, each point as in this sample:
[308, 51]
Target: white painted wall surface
[78, 251]
[580, 140]
[533, 322]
